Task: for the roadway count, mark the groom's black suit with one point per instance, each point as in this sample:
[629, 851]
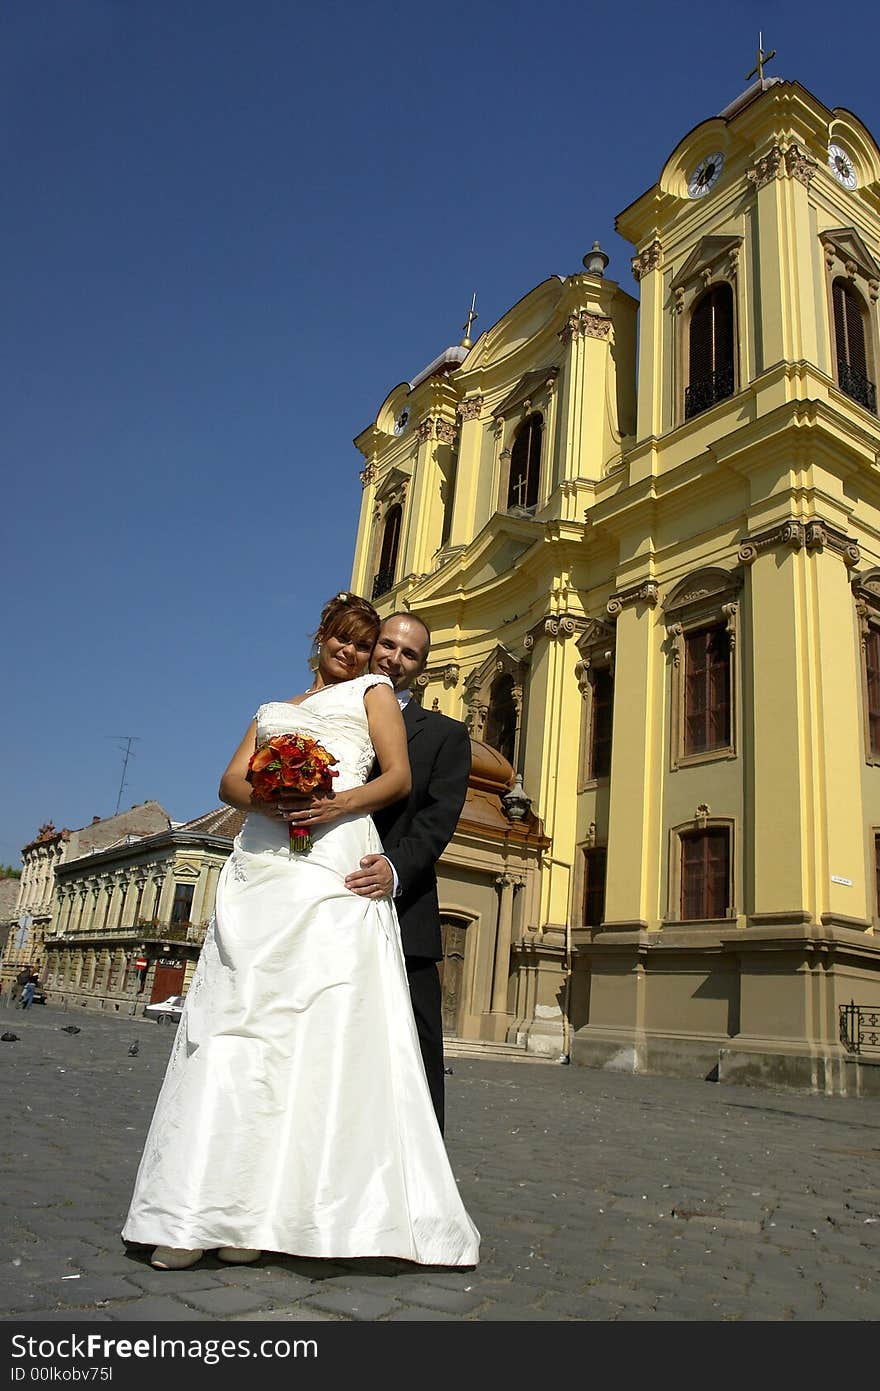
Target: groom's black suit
[414, 833]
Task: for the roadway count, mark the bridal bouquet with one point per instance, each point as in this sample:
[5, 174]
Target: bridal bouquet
[291, 763]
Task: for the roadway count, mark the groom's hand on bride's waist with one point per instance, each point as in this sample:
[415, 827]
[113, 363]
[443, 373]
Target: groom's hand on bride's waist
[374, 879]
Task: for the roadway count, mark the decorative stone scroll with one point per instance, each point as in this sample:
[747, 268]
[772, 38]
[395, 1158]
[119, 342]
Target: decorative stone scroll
[368, 473]
[814, 536]
[448, 674]
[648, 592]
[789, 534]
[647, 260]
[560, 627]
[583, 324]
[820, 536]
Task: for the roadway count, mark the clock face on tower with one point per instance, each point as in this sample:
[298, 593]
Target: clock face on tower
[706, 175]
[842, 166]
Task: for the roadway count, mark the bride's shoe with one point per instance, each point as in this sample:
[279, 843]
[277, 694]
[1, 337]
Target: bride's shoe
[238, 1255]
[174, 1257]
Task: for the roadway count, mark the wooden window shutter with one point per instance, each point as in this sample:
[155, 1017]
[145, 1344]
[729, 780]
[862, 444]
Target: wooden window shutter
[603, 716]
[849, 328]
[707, 689]
[872, 675]
[595, 866]
[705, 873]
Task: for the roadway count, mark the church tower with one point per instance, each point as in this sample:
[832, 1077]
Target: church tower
[655, 593]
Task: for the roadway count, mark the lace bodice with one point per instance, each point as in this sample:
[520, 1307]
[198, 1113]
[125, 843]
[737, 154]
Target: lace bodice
[335, 716]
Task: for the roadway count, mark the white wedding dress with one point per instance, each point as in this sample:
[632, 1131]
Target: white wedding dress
[295, 1115]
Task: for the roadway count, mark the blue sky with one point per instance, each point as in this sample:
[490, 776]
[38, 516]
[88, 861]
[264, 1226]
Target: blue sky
[229, 230]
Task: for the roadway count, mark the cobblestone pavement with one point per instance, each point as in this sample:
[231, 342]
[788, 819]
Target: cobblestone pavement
[599, 1197]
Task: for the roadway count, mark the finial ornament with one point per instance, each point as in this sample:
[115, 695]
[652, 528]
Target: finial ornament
[595, 260]
[758, 70]
[467, 341]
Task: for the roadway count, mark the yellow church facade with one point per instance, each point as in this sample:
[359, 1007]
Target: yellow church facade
[646, 536]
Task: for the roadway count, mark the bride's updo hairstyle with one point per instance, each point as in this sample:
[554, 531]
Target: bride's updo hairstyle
[349, 616]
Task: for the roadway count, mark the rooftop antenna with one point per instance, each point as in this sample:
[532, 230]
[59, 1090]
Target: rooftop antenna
[758, 70]
[129, 753]
[467, 341]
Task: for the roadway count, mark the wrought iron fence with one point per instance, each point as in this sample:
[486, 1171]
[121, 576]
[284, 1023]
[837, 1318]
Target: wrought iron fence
[857, 386]
[382, 582]
[699, 396]
[859, 1027]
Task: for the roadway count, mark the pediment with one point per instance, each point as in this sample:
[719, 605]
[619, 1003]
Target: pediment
[703, 587]
[706, 253]
[525, 390]
[851, 249]
[183, 869]
[867, 585]
[500, 662]
[394, 479]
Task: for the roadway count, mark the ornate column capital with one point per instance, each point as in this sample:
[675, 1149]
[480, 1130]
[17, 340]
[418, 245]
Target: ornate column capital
[799, 166]
[445, 431]
[367, 474]
[649, 259]
[765, 169]
[583, 324]
[471, 408]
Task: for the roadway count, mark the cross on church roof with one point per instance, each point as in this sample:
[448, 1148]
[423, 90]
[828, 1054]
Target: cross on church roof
[467, 342]
[758, 70]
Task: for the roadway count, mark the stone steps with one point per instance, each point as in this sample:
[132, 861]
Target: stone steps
[502, 1052]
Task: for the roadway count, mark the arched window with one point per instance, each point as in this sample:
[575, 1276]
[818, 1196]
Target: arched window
[851, 345]
[710, 351]
[501, 717]
[525, 464]
[384, 577]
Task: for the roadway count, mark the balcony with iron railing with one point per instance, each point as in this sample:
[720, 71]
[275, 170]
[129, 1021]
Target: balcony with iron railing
[382, 582]
[708, 391]
[146, 930]
[856, 386]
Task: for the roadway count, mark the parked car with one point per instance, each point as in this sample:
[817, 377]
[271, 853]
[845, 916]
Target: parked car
[168, 1012]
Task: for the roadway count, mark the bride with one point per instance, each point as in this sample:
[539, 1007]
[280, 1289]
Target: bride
[295, 1115]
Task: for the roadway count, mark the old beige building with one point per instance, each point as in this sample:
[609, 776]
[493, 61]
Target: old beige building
[130, 920]
[646, 535]
[41, 859]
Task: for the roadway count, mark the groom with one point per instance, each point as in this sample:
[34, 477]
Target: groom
[415, 832]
